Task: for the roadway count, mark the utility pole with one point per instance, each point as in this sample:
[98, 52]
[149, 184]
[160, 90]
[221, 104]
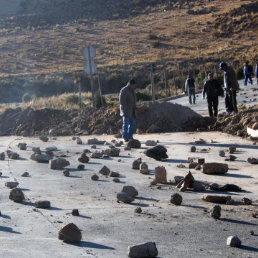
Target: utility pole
[152, 69]
[100, 90]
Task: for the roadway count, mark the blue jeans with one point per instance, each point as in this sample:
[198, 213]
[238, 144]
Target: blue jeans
[248, 76]
[191, 94]
[129, 128]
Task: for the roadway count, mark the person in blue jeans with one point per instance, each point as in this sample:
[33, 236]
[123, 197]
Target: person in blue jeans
[248, 71]
[127, 99]
[190, 88]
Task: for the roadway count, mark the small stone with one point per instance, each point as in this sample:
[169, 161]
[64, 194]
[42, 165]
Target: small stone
[232, 149]
[84, 158]
[150, 143]
[148, 249]
[215, 212]
[153, 182]
[198, 167]
[176, 199]
[114, 174]
[178, 179]
[124, 197]
[215, 168]
[232, 157]
[53, 132]
[79, 141]
[193, 149]
[144, 169]
[116, 180]
[93, 141]
[247, 201]
[80, 167]
[94, 177]
[221, 199]
[42, 204]
[75, 212]
[134, 144]
[94, 147]
[58, 163]
[127, 148]
[112, 152]
[136, 164]
[16, 195]
[181, 166]
[222, 153]
[43, 138]
[2, 156]
[1, 173]
[130, 190]
[51, 148]
[214, 187]
[158, 152]
[41, 158]
[13, 155]
[233, 241]
[251, 232]
[22, 146]
[161, 175]
[11, 185]
[193, 165]
[253, 161]
[97, 155]
[138, 210]
[70, 233]
[105, 171]
[198, 186]
[66, 173]
[25, 174]
[36, 150]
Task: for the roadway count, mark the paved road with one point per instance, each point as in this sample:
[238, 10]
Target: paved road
[246, 96]
[109, 227]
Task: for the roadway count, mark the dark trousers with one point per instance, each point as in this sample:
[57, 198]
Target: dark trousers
[213, 102]
[191, 94]
[230, 101]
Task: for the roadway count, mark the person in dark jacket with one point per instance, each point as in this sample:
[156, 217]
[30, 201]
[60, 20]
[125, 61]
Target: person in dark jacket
[127, 99]
[190, 88]
[231, 86]
[248, 72]
[212, 89]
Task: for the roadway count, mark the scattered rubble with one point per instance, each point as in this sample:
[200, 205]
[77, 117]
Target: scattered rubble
[233, 241]
[247, 201]
[11, 185]
[112, 152]
[136, 164]
[215, 212]
[124, 197]
[114, 174]
[193, 149]
[150, 143]
[58, 163]
[97, 155]
[94, 177]
[176, 199]
[116, 180]
[134, 144]
[222, 153]
[66, 173]
[232, 149]
[75, 212]
[12, 155]
[41, 158]
[221, 199]
[16, 195]
[80, 167]
[158, 152]
[225, 188]
[105, 171]
[144, 169]
[70, 233]
[138, 210]
[253, 161]
[25, 174]
[130, 190]
[43, 204]
[148, 249]
[84, 158]
[215, 168]
[187, 182]
[22, 146]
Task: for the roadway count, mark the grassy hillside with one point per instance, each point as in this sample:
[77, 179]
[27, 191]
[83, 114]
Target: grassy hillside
[47, 37]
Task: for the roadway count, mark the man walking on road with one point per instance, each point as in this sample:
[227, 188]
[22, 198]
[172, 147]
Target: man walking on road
[231, 86]
[127, 99]
[248, 72]
[190, 88]
[213, 90]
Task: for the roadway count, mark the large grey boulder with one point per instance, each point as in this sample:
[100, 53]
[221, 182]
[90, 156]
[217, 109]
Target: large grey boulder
[144, 250]
[215, 168]
[58, 163]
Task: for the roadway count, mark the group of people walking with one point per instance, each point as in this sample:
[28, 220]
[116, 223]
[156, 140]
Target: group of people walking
[212, 89]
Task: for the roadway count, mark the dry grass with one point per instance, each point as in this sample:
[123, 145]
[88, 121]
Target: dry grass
[56, 102]
[126, 41]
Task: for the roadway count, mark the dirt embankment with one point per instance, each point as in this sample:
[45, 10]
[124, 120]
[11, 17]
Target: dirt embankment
[151, 118]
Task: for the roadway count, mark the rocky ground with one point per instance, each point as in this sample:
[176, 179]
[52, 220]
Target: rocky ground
[109, 226]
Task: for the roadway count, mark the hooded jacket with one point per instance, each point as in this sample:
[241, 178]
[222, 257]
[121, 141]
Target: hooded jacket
[230, 80]
[127, 99]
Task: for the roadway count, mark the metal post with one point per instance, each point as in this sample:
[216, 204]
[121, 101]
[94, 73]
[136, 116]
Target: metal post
[80, 94]
[152, 83]
[166, 82]
[100, 91]
[91, 79]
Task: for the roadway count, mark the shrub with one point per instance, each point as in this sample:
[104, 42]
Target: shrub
[97, 99]
[26, 98]
[240, 73]
[71, 99]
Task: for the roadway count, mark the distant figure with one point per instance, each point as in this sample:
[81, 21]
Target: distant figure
[256, 72]
[190, 88]
[231, 86]
[213, 90]
[248, 72]
[127, 99]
